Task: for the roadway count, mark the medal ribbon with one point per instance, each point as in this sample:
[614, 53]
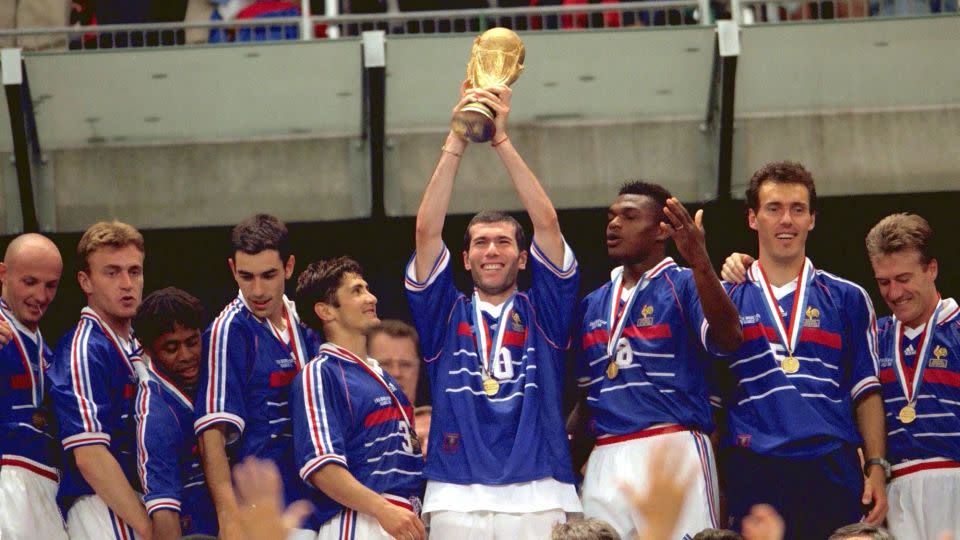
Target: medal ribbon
[789, 336]
[617, 318]
[926, 339]
[134, 361]
[344, 353]
[37, 389]
[489, 352]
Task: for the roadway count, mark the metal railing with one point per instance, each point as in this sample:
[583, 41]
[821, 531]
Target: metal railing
[774, 11]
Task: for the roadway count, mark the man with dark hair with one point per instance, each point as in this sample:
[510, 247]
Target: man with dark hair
[353, 428]
[642, 357]
[920, 374]
[396, 347]
[30, 274]
[498, 464]
[175, 494]
[93, 379]
[251, 352]
[802, 393]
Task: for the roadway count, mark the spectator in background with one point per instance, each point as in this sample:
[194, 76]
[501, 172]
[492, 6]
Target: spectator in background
[584, 529]
[229, 10]
[34, 14]
[421, 423]
[396, 347]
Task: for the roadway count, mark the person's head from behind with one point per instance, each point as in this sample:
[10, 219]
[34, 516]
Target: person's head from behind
[422, 416]
[781, 207]
[30, 274]
[494, 252]
[396, 346]
[111, 256]
[900, 251]
[633, 222]
[261, 262]
[168, 323]
[861, 531]
[584, 529]
[335, 298]
[717, 534]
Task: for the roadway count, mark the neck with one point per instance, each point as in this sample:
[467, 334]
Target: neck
[498, 298]
[632, 272]
[120, 326]
[780, 272]
[925, 316]
[354, 342]
[29, 326]
[278, 319]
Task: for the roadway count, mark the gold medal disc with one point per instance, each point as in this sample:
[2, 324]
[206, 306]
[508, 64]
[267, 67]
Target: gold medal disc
[612, 370]
[491, 386]
[907, 414]
[790, 365]
[38, 420]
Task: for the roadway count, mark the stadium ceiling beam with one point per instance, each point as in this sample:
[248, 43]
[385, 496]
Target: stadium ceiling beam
[23, 128]
[375, 116]
[721, 100]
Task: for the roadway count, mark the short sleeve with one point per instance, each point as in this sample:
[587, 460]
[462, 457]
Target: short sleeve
[225, 365]
[431, 301]
[862, 343]
[317, 410]
[80, 380]
[553, 293]
[158, 440]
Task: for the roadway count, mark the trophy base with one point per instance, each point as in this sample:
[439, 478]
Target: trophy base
[474, 122]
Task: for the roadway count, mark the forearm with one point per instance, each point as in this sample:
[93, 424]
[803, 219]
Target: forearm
[581, 441]
[101, 470]
[338, 484]
[721, 314]
[433, 206]
[872, 426]
[166, 525]
[216, 468]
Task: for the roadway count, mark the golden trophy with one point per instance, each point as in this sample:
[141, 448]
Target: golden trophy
[496, 58]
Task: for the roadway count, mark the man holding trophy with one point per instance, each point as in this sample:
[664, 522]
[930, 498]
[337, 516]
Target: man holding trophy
[498, 465]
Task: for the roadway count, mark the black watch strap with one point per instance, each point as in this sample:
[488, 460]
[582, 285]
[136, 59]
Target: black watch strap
[884, 464]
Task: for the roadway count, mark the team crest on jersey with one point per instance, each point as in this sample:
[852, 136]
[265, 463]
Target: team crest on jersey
[284, 363]
[813, 318]
[517, 323]
[886, 362]
[743, 441]
[646, 316]
[939, 359]
[451, 443]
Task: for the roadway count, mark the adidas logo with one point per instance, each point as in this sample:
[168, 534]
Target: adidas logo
[910, 350]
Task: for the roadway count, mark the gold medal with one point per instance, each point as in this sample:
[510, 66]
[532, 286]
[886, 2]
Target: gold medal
[612, 370]
[491, 386]
[790, 364]
[907, 414]
[38, 420]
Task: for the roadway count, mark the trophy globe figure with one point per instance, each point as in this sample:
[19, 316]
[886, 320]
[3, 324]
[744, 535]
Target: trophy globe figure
[496, 58]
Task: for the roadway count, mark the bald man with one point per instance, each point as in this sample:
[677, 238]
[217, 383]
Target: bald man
[30, 274]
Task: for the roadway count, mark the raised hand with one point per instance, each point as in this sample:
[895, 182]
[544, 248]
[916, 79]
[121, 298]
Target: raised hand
[687, 232]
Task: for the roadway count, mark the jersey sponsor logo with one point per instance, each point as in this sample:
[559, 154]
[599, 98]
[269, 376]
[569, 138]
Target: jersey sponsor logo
[813, 318]
[939, 359]
[646, 316]
[743, 441]
[749, 319]
[596, 323]
[284, 363]
[382, 401]
[886, 362]
[451, 443]
[910, 349]
[392, 387]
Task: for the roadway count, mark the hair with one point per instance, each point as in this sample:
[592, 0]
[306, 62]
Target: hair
[861, 529]
[901, 232]
[495, 216]
[782, 172]
[106, 234]
[260, 233]
[584, 529]
[161, 310]
[717, 534]
[656, 192]
[319, 283]
[396, 329]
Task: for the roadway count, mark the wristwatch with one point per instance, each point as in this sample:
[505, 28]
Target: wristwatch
[884, 464]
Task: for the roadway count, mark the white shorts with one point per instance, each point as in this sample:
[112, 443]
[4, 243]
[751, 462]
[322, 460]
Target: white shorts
[90, 519]
[445, 524]
[28, 501]
[352, 525]
[627, 461]
[924, 498]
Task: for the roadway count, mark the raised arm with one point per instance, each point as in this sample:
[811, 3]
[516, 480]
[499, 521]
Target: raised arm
[436, 197]
[546, 226]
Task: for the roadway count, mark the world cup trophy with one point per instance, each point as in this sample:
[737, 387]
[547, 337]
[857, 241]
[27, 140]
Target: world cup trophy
[496, 58]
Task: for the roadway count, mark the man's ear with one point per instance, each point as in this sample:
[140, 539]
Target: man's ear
[289, 266]
[466, 261]
[522, 261]
[751, 219]
[325, 312]
[232, 265]
[84, 280]
[813, 220]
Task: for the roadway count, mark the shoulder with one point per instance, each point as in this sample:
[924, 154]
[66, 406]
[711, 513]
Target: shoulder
[848, 290]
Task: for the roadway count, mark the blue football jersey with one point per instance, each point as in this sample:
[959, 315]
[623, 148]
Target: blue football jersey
[808, 412]
[658, 351]
[516, 433]
[168, 458]
[350, 414]
[246, 371]
[93, 380]
[936, 430]
[25, 433]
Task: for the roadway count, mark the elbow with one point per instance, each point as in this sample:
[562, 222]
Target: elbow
[86, 459]
[423, 229]
[732, 340]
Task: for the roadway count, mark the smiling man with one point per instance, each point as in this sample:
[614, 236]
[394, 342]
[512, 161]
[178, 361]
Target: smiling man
[169, 322]
[352, 426]
[801, 394]
[30, 273]
[920, 373]
[498, 465]
[641, 357]
[251, 353]
[93, 379]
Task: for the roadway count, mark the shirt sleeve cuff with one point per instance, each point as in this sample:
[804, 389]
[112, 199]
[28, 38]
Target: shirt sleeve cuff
[320, 462]
[867, 384]
[439, 265]
[162, 504]
[85, 439]
[569, 261]
[234, 422]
